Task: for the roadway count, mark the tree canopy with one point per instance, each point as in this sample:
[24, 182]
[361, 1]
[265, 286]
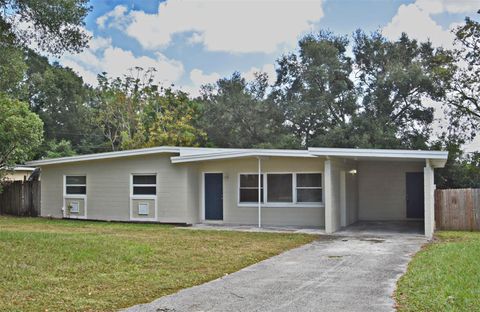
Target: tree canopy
[20, 133]
[54, 26]
[463, 100]
[236, 113]
[360, 91]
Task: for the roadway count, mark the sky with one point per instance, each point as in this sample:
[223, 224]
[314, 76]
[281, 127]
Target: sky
[191, 43]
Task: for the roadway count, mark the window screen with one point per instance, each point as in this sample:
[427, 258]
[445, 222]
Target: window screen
[76, 185]
[279, 188]
[249, 188]
[309, 187]
[144, 184]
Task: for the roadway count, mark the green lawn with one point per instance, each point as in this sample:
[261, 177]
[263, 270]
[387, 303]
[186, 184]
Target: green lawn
[66, 265]
[443, 276]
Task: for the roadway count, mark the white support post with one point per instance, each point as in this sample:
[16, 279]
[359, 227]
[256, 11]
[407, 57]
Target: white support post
[429, 190]
[329, 226]
[259, 192]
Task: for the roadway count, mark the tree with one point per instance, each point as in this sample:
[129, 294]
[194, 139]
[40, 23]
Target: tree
[133, 112]
[62, 100]
[395, 79]
[20, 133]
[12, 70]
[463, 101]
[461, 170]
[237, 113]
[314, 91]
[54, 26]
[170, 119]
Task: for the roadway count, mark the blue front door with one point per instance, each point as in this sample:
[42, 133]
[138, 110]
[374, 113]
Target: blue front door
[213, 196]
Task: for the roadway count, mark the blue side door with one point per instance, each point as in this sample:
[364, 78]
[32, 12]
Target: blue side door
[213, 196]
[415, 195]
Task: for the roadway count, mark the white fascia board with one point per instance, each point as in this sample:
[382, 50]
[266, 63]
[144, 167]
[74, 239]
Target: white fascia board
[135, 152]
[18, 168]
[23, 168]
[380, 153]
[241, 153]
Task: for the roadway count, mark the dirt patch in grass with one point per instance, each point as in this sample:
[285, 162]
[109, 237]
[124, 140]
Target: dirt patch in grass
[64, 265]
[443, 276]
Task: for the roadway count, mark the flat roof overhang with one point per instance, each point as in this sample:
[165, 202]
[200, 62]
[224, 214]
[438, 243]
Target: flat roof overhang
[436, 159]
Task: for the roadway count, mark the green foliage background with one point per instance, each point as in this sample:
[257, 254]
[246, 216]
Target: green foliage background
[373, 97]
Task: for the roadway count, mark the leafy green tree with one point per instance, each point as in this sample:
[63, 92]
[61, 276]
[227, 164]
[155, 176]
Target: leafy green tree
[134, 113]
[315, 92]
[170, 118]
[12, 70]
[396, 78]
[62, 100]
[20, 133]
[461, 170]
[54, 26]
[237, 113]
[463, 101]
[55, 149]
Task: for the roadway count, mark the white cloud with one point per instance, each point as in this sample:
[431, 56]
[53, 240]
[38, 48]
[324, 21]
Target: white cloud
[267, 68]
[418, 24]
[99, 43]
[231, 26]
[416, 20]
[199, 78]
[449, 6]
[115, 18]
[102, 57]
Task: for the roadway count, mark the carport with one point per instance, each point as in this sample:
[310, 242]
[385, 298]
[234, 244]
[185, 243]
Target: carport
[379, 185]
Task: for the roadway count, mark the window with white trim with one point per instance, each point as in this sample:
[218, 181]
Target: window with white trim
[279, 188]
[248, 192]
[75, 185]
[309, 188]
[144, 184]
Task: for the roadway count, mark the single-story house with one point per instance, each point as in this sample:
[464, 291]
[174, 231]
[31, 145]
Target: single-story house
[317, 187]
[19, 173]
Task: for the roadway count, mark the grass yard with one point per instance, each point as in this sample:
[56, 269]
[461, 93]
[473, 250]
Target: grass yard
[444, 276]
[66, 265]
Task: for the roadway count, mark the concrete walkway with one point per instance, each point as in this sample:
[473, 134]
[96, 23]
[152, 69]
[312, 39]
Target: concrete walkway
[350, 272]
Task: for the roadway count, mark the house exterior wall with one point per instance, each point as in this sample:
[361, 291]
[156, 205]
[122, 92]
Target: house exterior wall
[233, 212]
[382, 189]
[108, 187]
[18, 175]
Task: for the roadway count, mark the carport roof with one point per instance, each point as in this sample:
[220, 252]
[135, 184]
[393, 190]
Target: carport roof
[194, 154]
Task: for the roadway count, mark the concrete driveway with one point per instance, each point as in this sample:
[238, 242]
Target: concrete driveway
[355, 271]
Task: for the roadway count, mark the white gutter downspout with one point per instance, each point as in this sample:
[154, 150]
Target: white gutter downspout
[259, 192]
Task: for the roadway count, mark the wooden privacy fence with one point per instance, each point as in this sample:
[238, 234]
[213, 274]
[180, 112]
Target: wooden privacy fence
[20, 198]
[457, 209]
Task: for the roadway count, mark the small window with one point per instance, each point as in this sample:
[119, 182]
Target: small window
[76, 185]
[309, 187]
[249, 188]
[143, 209]
[144, 184]
[279, 188]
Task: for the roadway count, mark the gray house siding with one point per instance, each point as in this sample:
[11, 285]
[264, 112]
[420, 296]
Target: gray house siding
[382, 189]
[108, 187]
